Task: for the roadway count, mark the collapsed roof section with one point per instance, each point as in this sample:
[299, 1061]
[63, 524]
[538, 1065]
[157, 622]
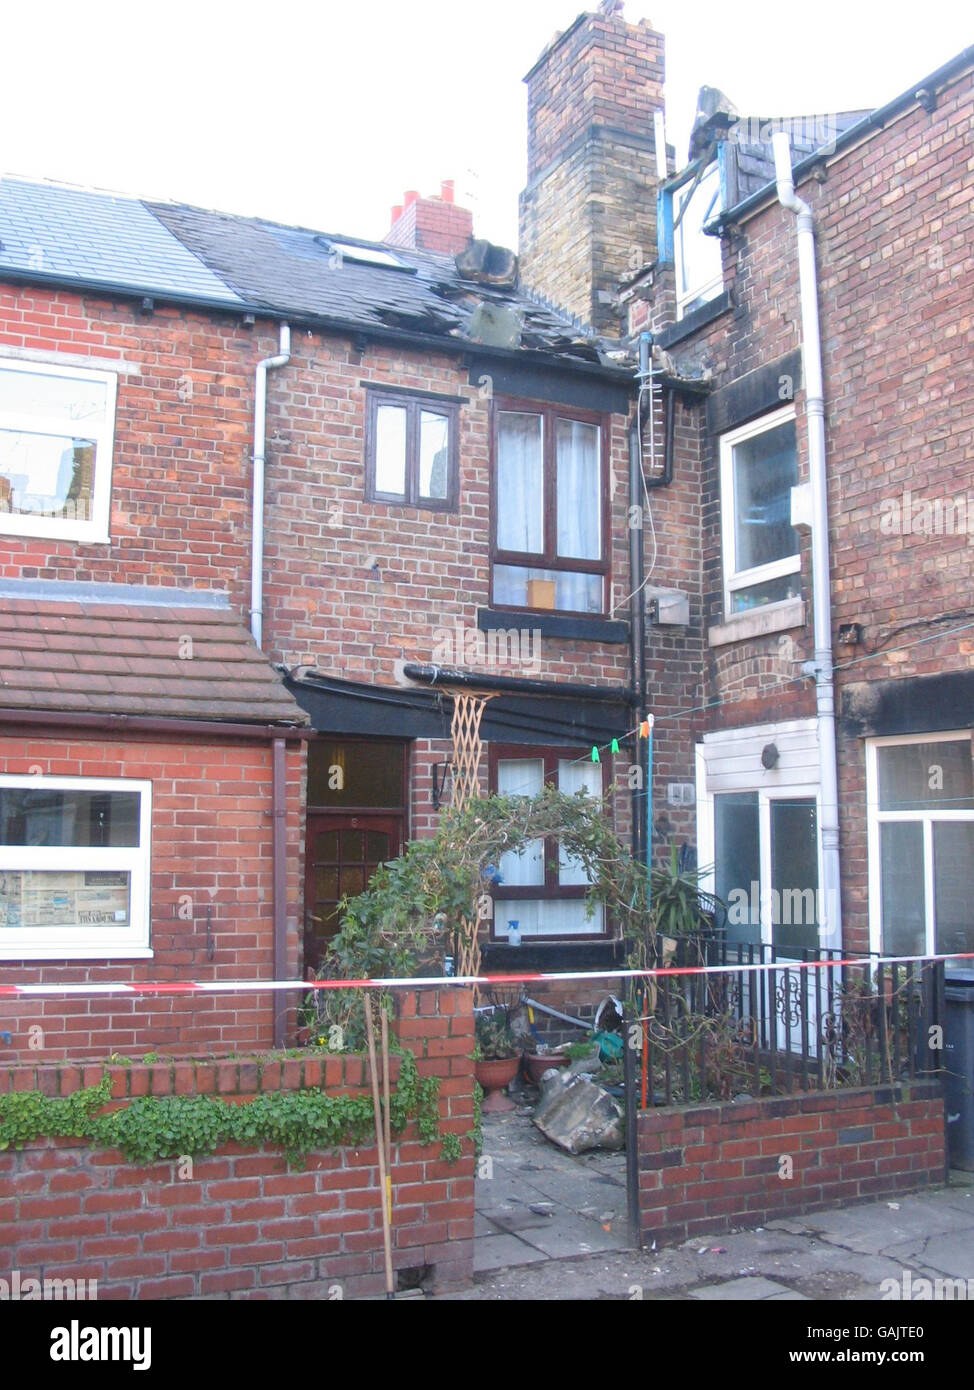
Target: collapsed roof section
[50, 233]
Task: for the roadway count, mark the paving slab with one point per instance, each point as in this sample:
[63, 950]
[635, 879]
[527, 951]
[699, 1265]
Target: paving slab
[875, 1228]
[504, 1251]
[940, 1253]
[751, 1288]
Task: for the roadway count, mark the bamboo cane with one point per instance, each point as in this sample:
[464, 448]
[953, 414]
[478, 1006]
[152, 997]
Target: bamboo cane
[374, 1073]
[384, 1019]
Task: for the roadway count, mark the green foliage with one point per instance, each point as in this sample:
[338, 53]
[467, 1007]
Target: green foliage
[495, 1036]
[415, 906]
[477, 1132]
[675, 908]
[25, 1115]
[574, 1051]
[452, 1148]
[151, 1128]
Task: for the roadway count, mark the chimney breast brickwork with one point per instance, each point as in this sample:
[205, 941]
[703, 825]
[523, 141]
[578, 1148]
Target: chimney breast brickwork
[588, 213]
[431, 224]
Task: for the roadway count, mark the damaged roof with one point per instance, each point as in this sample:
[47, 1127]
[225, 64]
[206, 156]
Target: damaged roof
[749, 155]
[98, 657]
[186, 254]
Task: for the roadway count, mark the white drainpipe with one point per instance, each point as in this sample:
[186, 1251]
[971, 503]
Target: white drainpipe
[821, 666]
[260, 453]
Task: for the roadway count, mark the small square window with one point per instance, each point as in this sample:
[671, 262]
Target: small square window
[411, 452]
[759, 468]
[74, 868]
[56, 433]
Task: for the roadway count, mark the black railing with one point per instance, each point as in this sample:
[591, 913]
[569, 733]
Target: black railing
[769, 1025]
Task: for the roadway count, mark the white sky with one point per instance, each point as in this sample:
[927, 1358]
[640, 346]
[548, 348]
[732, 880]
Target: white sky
[325, 113]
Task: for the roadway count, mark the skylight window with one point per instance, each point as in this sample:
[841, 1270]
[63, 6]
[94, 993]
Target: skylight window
[363, 255]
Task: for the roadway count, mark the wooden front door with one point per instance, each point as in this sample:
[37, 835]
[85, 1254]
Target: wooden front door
[343, 852]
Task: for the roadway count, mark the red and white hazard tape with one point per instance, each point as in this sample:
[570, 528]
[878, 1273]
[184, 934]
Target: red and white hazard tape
[446, 981]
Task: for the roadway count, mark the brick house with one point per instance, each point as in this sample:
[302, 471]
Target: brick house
[771, 523]
[442, 470]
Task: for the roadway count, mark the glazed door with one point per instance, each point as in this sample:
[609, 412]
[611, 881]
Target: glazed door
[343, 852]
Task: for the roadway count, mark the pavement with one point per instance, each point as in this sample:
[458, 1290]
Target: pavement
[551, 1226]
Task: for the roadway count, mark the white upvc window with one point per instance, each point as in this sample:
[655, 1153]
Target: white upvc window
[697, 258]
[74, 867]
[758, 469]
[56, 435]
[920, 799]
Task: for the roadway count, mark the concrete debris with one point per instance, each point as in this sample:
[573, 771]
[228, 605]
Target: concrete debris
[487, 264]
[496, 325]
[577, 1114]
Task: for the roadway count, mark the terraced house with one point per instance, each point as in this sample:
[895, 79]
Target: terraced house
[274, 501]
[276, 505]
[813, 273]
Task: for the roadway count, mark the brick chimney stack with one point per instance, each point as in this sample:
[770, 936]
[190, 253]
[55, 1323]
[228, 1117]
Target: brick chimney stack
[431, 224]
[587, 217]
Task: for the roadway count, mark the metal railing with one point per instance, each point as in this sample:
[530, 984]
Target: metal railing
[767, 1024]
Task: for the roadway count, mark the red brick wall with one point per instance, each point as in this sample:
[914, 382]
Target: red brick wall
[243, 1223]
[211, 843]
[705, 1169]
[895, 284]
[432, 224]
[180, 510]
[325, 603]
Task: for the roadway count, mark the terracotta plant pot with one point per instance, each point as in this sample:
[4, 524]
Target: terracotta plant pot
[494, 1076]
[536, 1064]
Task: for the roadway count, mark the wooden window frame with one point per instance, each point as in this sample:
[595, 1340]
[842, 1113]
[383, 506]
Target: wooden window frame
[548, 559]
[413, 404]
[552, 890]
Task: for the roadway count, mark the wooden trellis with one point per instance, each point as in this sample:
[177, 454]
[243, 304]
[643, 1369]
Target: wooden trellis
[468, 747]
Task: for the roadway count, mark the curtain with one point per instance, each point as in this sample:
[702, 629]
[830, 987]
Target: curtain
[520, 483]
[579, 512]
[522, 777]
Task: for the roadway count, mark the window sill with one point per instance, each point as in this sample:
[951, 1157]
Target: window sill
[758, 622]
[51, 533]
[68, 954]
[535, 954]
[696, 319]
[568, 627]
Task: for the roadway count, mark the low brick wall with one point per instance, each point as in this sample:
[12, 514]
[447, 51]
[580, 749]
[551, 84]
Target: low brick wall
[241, 1223]
[704, 1169]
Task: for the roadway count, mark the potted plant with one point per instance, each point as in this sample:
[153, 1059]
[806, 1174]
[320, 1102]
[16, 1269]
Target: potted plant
[496, 1057]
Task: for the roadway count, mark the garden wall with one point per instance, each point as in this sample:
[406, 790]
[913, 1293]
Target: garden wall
[707, 1168]
[241, 1223]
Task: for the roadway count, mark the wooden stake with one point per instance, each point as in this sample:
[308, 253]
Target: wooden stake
[380, 1142]
[384, 1019]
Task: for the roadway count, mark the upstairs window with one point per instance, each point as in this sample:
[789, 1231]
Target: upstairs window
[696, 256]
[56, 429]
[759, 468]
[411, 453]
[549, 528]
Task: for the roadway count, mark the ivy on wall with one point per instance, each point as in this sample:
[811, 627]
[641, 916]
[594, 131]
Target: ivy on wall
[151, 1128]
